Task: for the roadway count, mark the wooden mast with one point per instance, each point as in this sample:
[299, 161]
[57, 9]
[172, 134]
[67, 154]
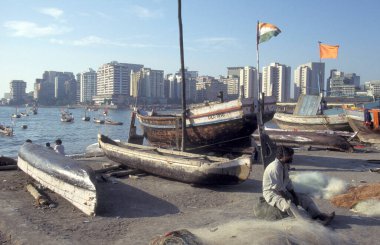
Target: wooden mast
[183, 145]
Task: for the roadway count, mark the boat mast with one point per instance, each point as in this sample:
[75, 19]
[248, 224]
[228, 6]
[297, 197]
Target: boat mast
[260, 99]
[183, 145]
[319, 81]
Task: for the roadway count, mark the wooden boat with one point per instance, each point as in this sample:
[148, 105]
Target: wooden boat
[315, 122]
[86, 118]
[6, 130]
[308, 116]
[24, 114]
[16, 115]
[66, 117]
[365, 121]
[207, 124]
[176, 165]
[69, 178]
[319, 139]
[110, 122]
[99, 121]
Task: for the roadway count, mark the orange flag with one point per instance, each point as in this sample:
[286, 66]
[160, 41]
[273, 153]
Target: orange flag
[328, 51]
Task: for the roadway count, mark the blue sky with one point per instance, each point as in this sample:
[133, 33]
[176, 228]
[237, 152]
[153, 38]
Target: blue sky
[73, 35]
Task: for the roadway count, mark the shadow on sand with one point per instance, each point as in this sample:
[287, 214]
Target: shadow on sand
[248, 186]
[124, 201]
[345, 222]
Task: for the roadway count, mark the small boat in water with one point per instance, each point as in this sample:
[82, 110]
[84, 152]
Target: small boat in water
[24, 114]
[67, 177]
[98, 121]
[67, 116]
[176, 165]
[110, 122]
[6, 130]
[85, 117]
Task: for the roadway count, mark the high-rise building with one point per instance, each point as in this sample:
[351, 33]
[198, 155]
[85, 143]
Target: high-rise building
[232, 87]
[70, 91]
[208, 88]
[233, 72]
[148, 83]
[340, 84]
[114, 82]
[87, 85]
[59, 84]
[248, 79]
[373, 88]
[175, 85]
[17, 91]
[276, 81]
[309, 79]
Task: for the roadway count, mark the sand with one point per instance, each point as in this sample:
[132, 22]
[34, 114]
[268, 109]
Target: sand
[133, 211]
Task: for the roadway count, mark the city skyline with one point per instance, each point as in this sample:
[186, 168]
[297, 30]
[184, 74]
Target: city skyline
[69, 36]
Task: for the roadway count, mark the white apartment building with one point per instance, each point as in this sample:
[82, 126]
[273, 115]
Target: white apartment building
[147, 83]
[309, 79]
[276, 81]
[87, 84]
[232, 87]
[248, 79]
[114, 78]
[373, 88]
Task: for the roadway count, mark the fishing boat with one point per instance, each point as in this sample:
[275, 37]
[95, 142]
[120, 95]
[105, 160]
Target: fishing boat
[16, 115]
[6, 130]
[206, 124]
[85, 117]
[176, 165]
[67, 177]
[326, 139]
[34, 110]
[98, 121]
[364, 119]
[110, 122]
[307, 117]
[67, 116]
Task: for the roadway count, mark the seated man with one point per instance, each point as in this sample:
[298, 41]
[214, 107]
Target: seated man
[278, 189]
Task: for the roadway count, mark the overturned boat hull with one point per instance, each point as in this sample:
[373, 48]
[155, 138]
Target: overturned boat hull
[181, 166]
[365, 133]
[326, 140]
[71, 179]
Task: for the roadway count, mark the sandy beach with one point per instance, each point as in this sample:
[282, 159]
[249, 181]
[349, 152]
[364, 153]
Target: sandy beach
[133, 211]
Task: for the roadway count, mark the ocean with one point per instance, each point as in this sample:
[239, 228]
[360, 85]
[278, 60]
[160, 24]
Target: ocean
[47, 127]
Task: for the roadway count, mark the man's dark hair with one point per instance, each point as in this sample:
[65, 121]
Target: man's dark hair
[28, 140]
[58, 141]
[284, 151]
[47, 144]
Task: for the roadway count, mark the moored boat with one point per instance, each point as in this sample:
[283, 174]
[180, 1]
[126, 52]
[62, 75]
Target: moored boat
[98, 121]
[365, 121]
[66, 116]
[308, 115]
[69, 178]
[176, 165]
[6, 130]
[110, 122]
[206, 124]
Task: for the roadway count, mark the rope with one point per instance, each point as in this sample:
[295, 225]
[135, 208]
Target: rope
[221, 142]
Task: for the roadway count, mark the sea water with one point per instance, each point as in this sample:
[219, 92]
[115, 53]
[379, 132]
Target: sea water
[47, 127]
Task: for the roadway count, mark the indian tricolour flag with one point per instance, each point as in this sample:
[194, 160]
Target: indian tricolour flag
[266, 31]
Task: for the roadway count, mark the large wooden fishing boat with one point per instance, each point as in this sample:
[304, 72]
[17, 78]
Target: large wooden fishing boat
[71, 179]
[365, 121]
[67, 116]
[210, 123]
[176, 165]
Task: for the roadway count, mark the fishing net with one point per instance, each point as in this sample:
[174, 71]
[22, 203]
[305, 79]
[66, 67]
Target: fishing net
[180, 237]
[363, 199]
[262, 210]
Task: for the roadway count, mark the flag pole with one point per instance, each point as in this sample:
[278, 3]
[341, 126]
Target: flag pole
[260, 100]
[319, 77]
